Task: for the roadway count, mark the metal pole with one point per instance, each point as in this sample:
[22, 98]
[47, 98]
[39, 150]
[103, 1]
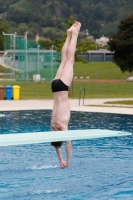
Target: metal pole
[128, 83]
[52, 61]
[84, 97]
[38, 59]
[26, 56]
[96, 83]
[14, 54]
[13, 36]
[7, 33]
[80, 95]
[72, 87]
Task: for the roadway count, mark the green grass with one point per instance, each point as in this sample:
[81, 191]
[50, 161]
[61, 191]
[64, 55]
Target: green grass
[100, 70]
[104, 90]
[124, 102]
[1, 68]
[97, 70]
[107, 70]
[32, 90]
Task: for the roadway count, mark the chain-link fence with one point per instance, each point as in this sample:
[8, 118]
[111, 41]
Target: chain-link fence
[27, 61]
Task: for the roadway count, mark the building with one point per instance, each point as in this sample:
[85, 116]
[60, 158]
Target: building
[103, 41]
[101, 55]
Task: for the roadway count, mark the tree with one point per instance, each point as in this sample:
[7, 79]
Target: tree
[46, 43]
[59, 42]
[51, 13]
[84, 45]
[3, 28]
[122, 45]
[17, 14]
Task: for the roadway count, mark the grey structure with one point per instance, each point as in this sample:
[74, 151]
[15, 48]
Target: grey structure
[101, 55]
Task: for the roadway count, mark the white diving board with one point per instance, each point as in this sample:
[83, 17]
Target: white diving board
[53, 136]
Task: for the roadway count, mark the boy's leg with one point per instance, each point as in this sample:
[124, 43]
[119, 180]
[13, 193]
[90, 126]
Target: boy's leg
[64, 52]
[67, 72]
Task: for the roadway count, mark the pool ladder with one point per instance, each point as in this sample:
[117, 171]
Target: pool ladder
[80, 93]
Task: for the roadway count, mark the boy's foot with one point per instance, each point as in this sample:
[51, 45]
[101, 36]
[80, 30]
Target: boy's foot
[73, 26]
[76, 29]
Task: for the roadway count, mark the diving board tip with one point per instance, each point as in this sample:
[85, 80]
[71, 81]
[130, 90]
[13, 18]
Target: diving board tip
[53, 136]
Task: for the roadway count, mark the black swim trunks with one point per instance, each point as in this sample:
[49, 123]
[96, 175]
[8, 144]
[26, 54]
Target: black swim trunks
[58, 86]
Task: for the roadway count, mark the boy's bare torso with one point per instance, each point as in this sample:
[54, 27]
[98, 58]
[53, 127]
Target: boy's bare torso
[61, 110]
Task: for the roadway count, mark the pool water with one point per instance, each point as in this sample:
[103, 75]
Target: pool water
[100, 169]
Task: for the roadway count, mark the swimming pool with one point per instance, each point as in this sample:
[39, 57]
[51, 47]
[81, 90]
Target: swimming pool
[100, 169]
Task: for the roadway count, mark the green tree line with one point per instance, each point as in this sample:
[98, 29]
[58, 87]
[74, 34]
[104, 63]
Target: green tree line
[47, 16]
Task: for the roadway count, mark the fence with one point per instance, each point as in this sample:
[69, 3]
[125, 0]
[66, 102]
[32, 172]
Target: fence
[27, 60]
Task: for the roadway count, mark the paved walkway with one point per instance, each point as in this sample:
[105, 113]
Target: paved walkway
[90, 105]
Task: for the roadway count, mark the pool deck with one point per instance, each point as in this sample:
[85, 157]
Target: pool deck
[90, 105]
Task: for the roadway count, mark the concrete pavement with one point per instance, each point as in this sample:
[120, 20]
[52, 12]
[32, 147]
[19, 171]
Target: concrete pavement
[90, 105]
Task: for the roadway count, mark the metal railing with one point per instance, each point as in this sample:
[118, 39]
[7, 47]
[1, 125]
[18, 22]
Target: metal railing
[80, 93]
